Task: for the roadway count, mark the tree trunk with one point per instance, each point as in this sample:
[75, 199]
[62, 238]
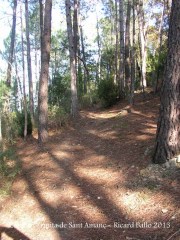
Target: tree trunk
[75, 30]
[41, 12]
[98, 75]
[44, 75]
[160, 46]
[24, 78]
[86, 72]
[133, 55]
[127, 50]
[121, 64]
[116, 49]
[142, 33]
[31, 100]
[168, 130]
[74, 101]
[11, 53]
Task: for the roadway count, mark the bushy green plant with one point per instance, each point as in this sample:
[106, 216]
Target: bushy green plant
[107, 92]
[59, 92]
[9, 164]
[13, 125]
[20, 123]
[57, 116]
[89, 99]
[9, 168]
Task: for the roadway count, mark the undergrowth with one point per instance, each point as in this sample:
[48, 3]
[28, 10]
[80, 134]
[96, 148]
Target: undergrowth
[9, 168]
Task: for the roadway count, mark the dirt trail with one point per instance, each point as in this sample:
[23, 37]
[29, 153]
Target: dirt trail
[84, 184]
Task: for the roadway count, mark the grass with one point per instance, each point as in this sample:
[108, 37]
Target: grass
[9, 168]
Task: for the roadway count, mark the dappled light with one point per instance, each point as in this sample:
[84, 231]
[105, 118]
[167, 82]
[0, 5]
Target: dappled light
[89, 120]
[92, 177]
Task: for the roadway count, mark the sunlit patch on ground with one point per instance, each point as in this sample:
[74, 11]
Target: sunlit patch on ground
[92, 172]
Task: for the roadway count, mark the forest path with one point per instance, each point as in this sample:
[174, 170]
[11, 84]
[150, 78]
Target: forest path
[88, 174]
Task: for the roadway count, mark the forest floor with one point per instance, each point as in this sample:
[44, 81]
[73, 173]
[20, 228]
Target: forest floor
[94, 180]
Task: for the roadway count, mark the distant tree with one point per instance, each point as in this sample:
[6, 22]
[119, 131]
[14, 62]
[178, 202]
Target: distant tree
[44, 75]
[168, 130]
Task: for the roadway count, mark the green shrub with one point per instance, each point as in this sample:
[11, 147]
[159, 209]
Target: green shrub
[13, 125]
[89, 99]
[57, 116]
[9, 168]
[107, 92]
[9, 164]
[20, 123]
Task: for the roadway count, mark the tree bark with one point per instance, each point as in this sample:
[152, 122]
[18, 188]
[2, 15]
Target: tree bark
[86, 72]
[98, 74]
[41, 12]
[44, 75]
[116, 76]
[127, 50]
[74, 101]
[168, 129]
[31, 100]
[143, 49]
[24, 78]
[11, 53]
[75, 30]
[160, 45]
[122, 49]
[133, 57]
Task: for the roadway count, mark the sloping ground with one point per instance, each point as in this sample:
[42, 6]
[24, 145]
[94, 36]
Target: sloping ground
[90, 182]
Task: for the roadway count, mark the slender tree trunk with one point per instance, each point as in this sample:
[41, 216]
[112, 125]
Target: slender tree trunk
[142, 33]
[133, 57]
[19, 83]
[41, 12]
[116, 78]
[44, 75]
[31, 99]
[74, 100]
[160, 45]
[99, 53]
[11, 53]
[75, 31]
[127, 49]
[86, 72]
[24, 78]
[122, 49]
[168, 130]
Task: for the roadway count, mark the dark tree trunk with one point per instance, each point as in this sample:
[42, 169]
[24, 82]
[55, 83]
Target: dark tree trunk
[168, 131]
[44, 75]
[11, 52]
